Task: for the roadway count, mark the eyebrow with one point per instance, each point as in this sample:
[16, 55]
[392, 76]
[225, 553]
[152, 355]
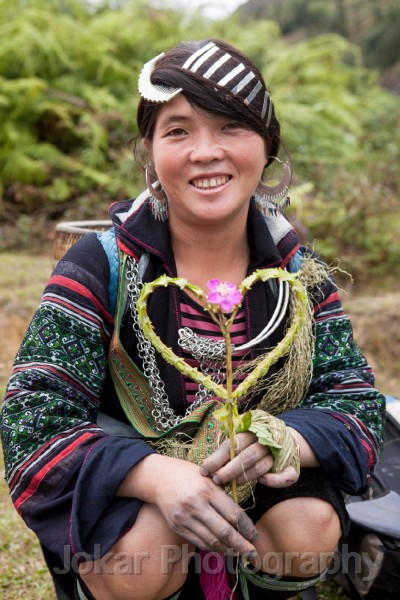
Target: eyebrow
[171, 119]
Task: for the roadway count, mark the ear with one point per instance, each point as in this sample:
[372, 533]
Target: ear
[268, 146]
[146, 150]
[147, 144]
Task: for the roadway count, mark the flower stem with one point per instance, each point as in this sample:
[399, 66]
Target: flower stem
[230, 402]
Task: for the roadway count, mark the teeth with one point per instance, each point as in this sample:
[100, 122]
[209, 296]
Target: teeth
[210, 183]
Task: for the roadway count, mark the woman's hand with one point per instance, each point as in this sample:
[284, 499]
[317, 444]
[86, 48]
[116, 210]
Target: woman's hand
[253, 461]
[193, 506]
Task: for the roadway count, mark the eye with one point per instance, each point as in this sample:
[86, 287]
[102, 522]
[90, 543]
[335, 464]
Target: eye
[233, 125]
[176, 132]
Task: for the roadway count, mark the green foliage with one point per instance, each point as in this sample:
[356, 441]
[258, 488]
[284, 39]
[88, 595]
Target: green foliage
[373, 24]
[358, 222]
[66, 109]
[343, 133]
[68, 81]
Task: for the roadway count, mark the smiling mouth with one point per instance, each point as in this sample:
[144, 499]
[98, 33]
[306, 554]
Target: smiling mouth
[209, 183]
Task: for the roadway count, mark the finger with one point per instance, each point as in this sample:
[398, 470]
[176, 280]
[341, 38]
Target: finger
[258, 470]
[217, 459]
[231, 512]
[202, 537]
[221, 456]
[226, 535]
[249, 464]
[283, 479]
[219, 523]
[210, 530]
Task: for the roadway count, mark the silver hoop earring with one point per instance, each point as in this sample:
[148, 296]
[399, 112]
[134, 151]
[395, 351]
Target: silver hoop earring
[158, 199]
[273, 199]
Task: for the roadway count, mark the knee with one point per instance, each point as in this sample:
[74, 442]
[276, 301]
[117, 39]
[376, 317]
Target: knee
[297, 535]
[149, 562]
[125, 585]
[319, 526]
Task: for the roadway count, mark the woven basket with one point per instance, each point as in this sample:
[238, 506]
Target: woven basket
[67, 233]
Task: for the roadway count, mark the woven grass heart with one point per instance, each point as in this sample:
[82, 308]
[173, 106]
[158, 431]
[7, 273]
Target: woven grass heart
[281, 349]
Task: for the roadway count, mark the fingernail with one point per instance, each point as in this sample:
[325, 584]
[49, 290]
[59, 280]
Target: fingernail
[253, 537]
[251, 556]
[217, 480]
[204, 471]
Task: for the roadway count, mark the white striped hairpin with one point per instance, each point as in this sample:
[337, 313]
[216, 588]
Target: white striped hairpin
[151, 91]
[206, 62]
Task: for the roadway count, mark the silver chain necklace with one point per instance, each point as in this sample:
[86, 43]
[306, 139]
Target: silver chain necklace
[210, 355]
[163, 414]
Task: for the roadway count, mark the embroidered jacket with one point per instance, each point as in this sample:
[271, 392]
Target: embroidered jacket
[63, 470]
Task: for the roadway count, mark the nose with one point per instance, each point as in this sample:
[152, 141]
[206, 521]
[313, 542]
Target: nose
[207, 147]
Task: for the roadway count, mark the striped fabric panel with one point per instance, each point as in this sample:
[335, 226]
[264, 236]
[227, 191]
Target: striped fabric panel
[194, 317]
[43, 470]
[56, 447]
[329, 308]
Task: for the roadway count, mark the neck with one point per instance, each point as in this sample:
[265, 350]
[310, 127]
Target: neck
[208, 253]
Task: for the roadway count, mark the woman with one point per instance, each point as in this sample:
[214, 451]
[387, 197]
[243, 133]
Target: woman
[116, 518]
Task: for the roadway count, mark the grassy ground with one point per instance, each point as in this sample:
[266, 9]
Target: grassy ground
[23, 575]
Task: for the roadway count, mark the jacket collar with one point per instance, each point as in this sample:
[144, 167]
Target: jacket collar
[272, 239]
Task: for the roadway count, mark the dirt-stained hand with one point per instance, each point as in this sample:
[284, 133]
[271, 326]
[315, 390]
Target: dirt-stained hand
[253, 461]
[202, 512]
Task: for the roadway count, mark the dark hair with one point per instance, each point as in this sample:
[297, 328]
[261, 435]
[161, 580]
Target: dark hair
[206, 95]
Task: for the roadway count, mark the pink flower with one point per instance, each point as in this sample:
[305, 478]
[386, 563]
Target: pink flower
[226, 294]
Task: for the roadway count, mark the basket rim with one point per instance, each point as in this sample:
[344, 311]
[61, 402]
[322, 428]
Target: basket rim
[81, 226]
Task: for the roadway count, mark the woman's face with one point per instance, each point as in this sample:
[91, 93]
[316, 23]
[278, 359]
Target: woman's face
[208, 166]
